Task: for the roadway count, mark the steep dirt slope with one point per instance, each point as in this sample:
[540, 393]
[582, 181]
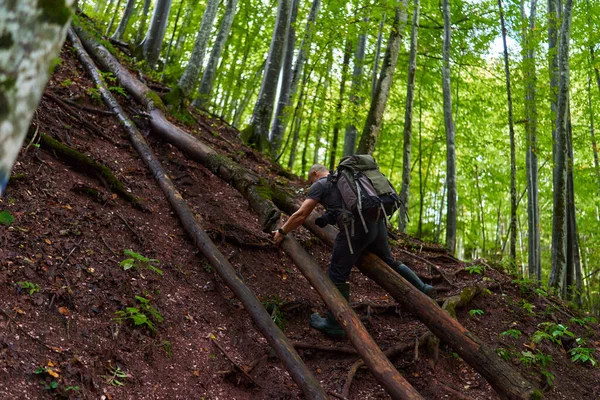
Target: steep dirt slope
[62, 283]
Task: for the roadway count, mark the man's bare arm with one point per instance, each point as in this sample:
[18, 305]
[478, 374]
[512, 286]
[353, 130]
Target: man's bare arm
[296, 219]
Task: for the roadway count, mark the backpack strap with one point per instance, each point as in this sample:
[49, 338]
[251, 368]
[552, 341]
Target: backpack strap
[362, 218]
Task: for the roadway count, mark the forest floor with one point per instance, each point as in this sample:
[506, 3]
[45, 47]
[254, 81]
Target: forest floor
[61, 284]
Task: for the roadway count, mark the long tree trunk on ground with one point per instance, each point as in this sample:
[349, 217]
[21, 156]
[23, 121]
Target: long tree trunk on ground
[560, 170]
[112, 19]
[450, 136]
[129, 8]
[355, 99]
[142, 24]
[503, 378]
[513, 162]
[170, 46]
[188, 80]
[592, 134]
[340, 103]
[32, 34]
[275, 337]
[256, 134]
[280, 119]
[377, 57]
[533, 212]
[368, 139]
[208, 77]
[153, 41]
[408, 118]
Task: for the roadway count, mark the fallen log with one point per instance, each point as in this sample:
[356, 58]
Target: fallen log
[250, 185]
[506, 381]
[381, 367]
[284, 349]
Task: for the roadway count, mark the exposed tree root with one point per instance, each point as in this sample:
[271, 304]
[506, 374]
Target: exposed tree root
[92, 110]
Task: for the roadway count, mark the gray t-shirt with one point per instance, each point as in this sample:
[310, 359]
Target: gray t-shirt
[326, 193]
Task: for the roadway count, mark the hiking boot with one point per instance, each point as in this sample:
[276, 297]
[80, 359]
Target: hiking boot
[328, 324]
[431, 291]
[412, 278]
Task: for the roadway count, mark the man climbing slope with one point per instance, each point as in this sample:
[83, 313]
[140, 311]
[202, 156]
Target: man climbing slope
[370, 234]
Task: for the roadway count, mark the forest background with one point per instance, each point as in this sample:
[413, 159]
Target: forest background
[305, 81]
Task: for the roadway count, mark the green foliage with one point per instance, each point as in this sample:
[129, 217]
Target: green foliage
[475, 269]
[583, 354]
[504, 353]
[476, 312]
[116, 376]
[583, 321]
[551, 332]
[143, 315]
[66, 83]
[29, 286]
[528, 358]
[273, 306]
[138, 261]
[94, 93]
[6, 218]
[527, 306]
[513, 333]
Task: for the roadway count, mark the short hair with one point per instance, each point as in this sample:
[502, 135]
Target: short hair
[318, 168]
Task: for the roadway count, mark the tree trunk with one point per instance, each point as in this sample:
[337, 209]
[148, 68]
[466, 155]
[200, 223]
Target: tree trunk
[249, 93]
[208, 77]
[112, 19]
[383, 370]
[368, 139]
[175, 26]
[322, 111]
[32, 35]
[505, 380]
[559, 210]
[129, 8]
[275, 337]
[592, 134]
[153, 41]
[553, 53]
[298, 121]
[187, 19]
[533, 212]
[574, 282]
[256, 134]
[450, 137]
[340, 103]
[408, 119]
[190, 76]
[143, 23]
[513, 162]
[377, 56]
[284, 101]
[355, 100]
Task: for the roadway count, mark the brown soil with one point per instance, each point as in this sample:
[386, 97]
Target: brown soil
[70, 244]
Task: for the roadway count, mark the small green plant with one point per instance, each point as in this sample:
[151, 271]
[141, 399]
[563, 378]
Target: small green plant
[6, 218]
[527, 306]
[526, 285]
[94, 93]
[144, 315]
[474, 313]
[504, 353]
[551, 332]
[273, 306]
[513, 333]
[583, 321]
[117, 89]
[582, 354]
[30, 286]
[66, 83]
[207, 267]
[541, 292]
[475, 269]
[116, 376]
[549, 376]
[136, 260]
[528, 358]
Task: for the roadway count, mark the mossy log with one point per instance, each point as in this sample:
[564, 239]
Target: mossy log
[282, 346]
[85, 163]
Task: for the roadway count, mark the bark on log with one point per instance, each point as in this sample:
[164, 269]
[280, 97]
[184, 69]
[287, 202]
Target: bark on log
[250, 185]
[383, 370]
[284, 349]
[505, 380]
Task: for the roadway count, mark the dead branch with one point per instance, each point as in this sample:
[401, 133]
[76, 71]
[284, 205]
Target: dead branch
[320, 347]
[139, 239]
[234, 363]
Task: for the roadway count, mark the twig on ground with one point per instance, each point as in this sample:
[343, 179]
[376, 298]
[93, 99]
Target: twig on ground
[35, 134]
[439, 271]
[86, 108]
[71, 252]
[235, 364]
[108, 247]
[333, 349]
[256, 361]
[139, 239]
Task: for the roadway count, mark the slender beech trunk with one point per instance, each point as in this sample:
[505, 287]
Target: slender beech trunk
[340, 103]
[208, 77]
[170, 46]
[139, 37]
[256, 134]
[592, 134]
[249, 93]
[450, 136]
[408, 119]
[122, 27]
[377, 56]
[280, 119]
[574, 282]
[553, 53]
[32, 35]
[533, 212]
[153, 41]
[355, 99]
[298, 120]
[112, 19]
[481, 212]
[322, 101]
[190, 75]
[187, 19]
[372, 127]
[513, 162]
[561, 156]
